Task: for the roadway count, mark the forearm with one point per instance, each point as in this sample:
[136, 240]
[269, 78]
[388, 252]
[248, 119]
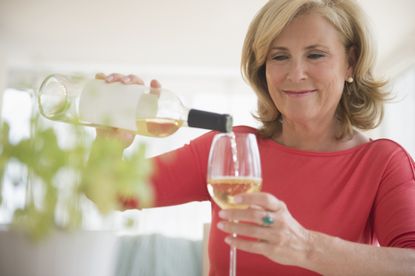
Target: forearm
[333, 256]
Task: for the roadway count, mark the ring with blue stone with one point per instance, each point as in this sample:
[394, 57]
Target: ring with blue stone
[267, 220]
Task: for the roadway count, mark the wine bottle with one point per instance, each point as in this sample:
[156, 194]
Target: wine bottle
[145, 111]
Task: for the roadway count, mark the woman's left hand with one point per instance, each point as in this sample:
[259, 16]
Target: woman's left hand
[266, 228]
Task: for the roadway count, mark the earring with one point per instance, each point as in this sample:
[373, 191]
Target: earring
[280, 118]
[350, 80]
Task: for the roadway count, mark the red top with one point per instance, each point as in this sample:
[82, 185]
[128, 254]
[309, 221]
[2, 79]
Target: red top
[365, 194]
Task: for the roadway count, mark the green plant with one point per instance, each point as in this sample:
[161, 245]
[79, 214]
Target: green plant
[67, 176]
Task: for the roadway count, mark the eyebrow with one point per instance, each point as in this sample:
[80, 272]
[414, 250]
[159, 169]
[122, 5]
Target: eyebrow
[311, 47]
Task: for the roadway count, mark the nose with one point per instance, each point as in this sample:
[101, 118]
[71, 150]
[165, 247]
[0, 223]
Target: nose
[297, 71]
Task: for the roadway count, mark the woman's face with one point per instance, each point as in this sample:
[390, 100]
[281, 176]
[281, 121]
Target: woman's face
[306, 69]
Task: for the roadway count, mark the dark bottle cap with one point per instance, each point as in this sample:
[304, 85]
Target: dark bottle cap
[210, 120]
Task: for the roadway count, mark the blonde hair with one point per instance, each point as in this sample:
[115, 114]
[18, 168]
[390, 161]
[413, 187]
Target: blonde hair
[361, 104]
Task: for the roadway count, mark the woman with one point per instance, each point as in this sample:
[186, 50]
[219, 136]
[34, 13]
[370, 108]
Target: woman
[330, 195]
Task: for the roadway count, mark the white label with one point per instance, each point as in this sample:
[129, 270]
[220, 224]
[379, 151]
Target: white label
[110, 104]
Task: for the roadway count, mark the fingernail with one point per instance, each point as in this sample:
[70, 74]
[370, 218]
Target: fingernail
[228, 240]
[237, 199]
[222, 214]
[221, 226]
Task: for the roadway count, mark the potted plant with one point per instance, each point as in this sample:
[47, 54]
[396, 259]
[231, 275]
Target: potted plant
[44, 237]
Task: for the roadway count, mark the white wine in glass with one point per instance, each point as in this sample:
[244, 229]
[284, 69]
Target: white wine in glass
[234, 168]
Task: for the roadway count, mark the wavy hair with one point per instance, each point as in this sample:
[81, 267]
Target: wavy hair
[362, 103]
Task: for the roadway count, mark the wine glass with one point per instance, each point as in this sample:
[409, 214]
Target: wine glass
[234, 167]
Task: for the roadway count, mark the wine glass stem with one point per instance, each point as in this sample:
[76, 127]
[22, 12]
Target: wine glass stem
[232, 263]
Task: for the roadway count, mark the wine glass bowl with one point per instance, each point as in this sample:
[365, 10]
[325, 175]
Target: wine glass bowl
[234, 168]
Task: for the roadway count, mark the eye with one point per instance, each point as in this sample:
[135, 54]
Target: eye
[280, 57]
[316, 56]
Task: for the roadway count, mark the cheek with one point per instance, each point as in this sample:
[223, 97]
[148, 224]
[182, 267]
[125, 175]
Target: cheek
[274, 75]
[268, 76]
[331, 80]
[274, 79]
[337, 85]
[334, 92]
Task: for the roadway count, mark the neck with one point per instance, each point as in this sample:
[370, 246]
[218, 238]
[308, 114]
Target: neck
[311, 136]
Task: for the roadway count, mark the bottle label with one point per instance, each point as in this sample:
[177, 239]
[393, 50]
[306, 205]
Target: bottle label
[110, 104]
[147, 106]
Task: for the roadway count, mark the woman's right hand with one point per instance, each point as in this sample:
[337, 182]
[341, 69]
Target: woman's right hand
[127, 137]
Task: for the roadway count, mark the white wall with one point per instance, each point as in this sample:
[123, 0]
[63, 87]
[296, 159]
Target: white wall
[3, 74]
[175, 32]
[399, 121]
[179, 32]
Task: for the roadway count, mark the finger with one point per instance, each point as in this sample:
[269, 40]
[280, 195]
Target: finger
[100, 76]
[269, 250]
[155, 87]
[134, 79]
[105, 132]
[263, 200]
[124, 136]
[250, 246]
[246, 230]
[155, 84]
[114, 77]
[253, 215]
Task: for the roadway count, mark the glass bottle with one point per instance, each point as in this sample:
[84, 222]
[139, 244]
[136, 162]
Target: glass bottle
[145, 111]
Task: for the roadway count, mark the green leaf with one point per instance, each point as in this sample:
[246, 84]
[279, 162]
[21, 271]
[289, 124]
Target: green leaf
[96, 171]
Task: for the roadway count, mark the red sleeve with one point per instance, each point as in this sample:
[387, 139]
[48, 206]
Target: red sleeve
[180, 175]
[394, 209]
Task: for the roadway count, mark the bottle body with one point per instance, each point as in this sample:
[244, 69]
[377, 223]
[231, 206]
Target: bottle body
[137, 108]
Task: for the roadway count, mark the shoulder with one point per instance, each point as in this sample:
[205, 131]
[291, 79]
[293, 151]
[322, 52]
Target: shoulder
[393, 155]
[245, 129]
[387, 146]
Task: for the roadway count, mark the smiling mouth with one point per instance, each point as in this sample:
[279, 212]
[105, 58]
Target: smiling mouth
[299, 93]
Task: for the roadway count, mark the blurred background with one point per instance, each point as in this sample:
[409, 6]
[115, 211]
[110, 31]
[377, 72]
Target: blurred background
[193, 47]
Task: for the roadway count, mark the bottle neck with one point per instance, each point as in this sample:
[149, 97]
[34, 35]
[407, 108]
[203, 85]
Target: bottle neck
[209, 120]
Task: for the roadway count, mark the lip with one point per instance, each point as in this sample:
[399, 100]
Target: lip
[299, 93]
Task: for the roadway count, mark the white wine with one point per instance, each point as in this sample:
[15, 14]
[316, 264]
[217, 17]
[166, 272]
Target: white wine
[157, 127]
[234, 150]
[223, 190]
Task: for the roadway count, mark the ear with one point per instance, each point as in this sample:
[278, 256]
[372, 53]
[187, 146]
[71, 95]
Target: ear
[351, 60]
